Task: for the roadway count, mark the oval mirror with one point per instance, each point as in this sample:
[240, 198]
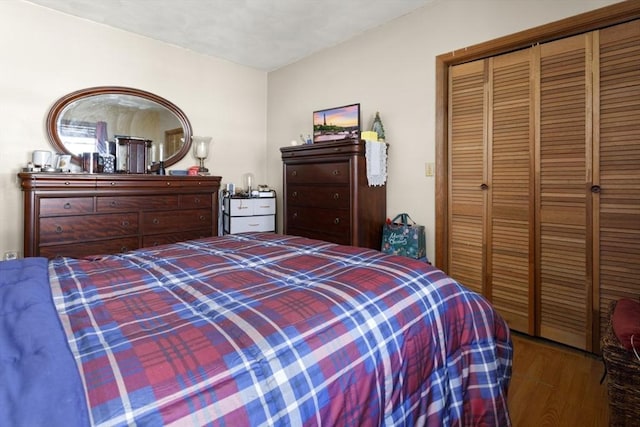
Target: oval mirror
[85, 120]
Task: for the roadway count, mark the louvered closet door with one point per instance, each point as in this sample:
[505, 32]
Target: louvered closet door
[619, 161]
[510, 194]
[467, 141]
[564, 203]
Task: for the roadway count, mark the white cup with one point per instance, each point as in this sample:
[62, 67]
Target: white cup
[41, 158]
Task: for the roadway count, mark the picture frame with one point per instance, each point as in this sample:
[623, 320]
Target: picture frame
[337, 124]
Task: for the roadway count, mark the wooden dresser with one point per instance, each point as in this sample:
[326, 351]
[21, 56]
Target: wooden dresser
[327, 196]
[87, 214]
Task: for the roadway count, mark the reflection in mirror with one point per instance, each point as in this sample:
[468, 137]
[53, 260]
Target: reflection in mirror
[94, 119]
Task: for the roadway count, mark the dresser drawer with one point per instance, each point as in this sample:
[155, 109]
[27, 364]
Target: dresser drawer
[316, 173]
[78, 250]
[335, 222]
[341, 239]
[88, 227]
[195, 201]
[245, 224]
[135, 203]
[168, 221]
[163, 239]
[331, 197]
[50, 206]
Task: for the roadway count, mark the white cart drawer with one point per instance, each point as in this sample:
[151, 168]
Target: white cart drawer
[252, 223]
[249, 207]
[266, 206]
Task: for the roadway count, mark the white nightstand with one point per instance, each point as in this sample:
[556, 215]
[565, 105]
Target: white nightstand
[242, 214]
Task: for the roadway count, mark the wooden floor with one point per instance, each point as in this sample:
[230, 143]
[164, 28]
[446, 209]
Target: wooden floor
[553, 385]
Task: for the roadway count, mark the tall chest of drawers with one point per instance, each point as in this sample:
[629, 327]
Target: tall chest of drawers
[87, 214]
[327, 196]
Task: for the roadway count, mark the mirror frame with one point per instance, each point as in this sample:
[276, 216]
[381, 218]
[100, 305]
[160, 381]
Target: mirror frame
[62, 103]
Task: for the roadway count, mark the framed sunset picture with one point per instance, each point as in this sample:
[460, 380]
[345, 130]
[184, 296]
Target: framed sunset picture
[337, 124]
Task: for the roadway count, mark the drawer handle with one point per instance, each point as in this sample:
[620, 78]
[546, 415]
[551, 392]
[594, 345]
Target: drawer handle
[124, 249]
[156, 244]
[67, 183]
[156, 221]
[125, 223]
[67, 205]
[243, 207]
[336, 196]
[202, 217]
[336, 221]
[196, 200]
[113, 204]
[294, 173]
[335, 172]
[295, 214]
[294, 194]
[59, 229]
[253, 225]
[112, 183]
[263, 206]
[168, 183]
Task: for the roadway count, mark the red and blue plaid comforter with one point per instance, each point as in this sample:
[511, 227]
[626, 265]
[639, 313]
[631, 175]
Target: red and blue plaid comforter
[266, 329]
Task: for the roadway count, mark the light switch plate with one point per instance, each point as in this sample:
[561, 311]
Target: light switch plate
[429, 169]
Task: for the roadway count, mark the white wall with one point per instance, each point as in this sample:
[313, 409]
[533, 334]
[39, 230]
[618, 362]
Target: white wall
[391, 69]
[46, 54]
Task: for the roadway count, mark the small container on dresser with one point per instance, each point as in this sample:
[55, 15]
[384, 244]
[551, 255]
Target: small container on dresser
[245, 214]
[327, 196]
[79, 214]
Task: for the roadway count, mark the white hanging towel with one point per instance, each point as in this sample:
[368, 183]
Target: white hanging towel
[376, 155]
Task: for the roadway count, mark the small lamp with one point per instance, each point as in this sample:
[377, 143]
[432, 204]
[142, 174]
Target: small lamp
[201, 150]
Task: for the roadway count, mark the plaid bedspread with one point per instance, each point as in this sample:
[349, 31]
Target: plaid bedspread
[275, 330]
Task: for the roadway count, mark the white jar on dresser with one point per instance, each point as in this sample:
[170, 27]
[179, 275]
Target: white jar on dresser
[245, 214]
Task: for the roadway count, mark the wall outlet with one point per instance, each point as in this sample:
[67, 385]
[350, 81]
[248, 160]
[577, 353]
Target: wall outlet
[9, 255]
[429, 169]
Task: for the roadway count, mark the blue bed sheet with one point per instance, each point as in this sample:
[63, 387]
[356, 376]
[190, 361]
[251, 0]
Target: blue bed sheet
[39, 381]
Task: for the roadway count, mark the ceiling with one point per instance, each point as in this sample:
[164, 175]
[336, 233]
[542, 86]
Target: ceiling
[263, 34]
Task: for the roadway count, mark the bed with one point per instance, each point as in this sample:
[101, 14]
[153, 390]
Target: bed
[249, 329]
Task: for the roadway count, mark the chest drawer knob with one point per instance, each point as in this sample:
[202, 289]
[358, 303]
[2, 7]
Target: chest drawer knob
[67, 205]
[113, 203]
[125, 223]
[59, 229]
[294, 173]
[294, 194]
[156, 221]
[336, 221]
[335, 172]
[124, 249]
[295, 214]
[168, 183]
[202, 217]
[336, 196]
[67, 183]
[196, 200]
[112, 183]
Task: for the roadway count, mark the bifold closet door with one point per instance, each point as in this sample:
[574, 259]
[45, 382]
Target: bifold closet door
[510, 192]
[467, 174]
[617, 183]
[564, 150]
[491, 174]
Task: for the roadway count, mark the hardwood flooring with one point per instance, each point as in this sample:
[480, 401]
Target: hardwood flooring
[554, 385]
